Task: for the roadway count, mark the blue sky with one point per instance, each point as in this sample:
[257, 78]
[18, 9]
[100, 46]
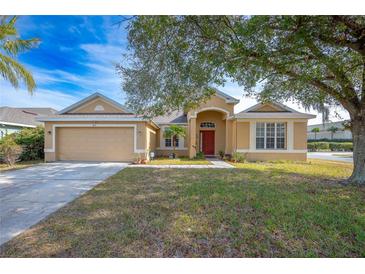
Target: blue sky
[77, 57]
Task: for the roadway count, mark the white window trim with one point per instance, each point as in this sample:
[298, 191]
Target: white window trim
[275, 136]
[289, 138]
[162, 141]
[134, 126]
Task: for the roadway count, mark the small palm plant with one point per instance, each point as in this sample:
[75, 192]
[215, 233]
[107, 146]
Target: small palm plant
[174, 132]
[333, 130]
[10, 47]
[315, 131]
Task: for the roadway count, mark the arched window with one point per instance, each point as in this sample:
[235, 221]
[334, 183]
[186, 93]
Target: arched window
[207, 125]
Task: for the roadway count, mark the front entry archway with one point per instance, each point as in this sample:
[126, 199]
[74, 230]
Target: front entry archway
[207, 142]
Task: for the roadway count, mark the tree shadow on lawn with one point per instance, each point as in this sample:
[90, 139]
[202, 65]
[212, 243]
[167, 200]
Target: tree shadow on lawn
[203, 213]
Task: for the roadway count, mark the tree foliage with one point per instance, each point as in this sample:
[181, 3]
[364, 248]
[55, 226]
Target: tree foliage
[317, 61]
[32, 142]
[174, 132]
[9, 150]
[10, 47]
[314, 60]
[315, 131]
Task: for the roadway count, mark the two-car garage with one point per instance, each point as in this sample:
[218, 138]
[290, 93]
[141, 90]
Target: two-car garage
[94, 143]
[96, 128]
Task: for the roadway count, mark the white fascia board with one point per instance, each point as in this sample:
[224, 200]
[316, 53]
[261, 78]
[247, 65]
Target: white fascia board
[275, 115]
[79, 119]
[228, 98]
[161, 124]
[16, 124]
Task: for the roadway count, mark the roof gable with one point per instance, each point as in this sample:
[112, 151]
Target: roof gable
[272, 110]
[229, 99]
[269, 107]
[96, 104]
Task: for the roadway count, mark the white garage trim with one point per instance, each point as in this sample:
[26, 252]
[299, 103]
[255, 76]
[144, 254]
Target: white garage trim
[134, 126]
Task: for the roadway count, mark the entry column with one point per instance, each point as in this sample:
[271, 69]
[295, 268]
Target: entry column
[192, 137]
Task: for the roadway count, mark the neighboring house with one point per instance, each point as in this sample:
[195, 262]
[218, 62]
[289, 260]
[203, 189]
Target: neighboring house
[14, 119]
[341, 134]
[100, 129]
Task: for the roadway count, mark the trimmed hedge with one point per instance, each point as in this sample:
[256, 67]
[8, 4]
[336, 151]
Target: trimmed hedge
[332, 146]
[341, 146]
[329, 140]
[315, 146]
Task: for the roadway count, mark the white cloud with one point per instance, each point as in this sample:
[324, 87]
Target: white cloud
[40, 98]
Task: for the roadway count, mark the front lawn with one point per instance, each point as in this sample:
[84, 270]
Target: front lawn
[255, 210]
[19, 165]
[179, 161]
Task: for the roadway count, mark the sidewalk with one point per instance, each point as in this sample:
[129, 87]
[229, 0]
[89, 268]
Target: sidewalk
[216, 164]
[331, 156]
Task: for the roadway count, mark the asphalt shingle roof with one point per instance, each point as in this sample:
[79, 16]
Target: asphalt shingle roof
[25, 116]
[173, 117]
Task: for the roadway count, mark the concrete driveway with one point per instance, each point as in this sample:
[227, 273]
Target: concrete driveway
[30, 194]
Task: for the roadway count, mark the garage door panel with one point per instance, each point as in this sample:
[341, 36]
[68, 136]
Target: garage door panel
[95, 144]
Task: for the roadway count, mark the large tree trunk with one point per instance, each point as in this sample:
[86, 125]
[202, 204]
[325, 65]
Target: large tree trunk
[358, 136]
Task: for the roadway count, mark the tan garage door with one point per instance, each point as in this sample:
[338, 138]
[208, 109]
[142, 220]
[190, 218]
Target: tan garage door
[95, 144]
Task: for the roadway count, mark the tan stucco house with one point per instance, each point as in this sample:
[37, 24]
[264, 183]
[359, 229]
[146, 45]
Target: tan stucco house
[100, 129]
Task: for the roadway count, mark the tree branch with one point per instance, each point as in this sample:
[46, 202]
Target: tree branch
[337, 72]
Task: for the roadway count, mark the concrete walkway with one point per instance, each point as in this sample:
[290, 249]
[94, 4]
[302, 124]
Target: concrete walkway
[28, 195]
[219, 163]
[216, 164]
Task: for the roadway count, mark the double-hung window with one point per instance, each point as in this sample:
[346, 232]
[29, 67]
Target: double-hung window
[170, 141]
[270, 135]
[167, 142]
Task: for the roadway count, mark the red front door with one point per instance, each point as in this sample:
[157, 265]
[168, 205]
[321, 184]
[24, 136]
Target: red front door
[207, 142]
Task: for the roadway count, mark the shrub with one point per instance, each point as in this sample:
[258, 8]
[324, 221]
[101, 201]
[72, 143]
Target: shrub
[316, 146]
[227, 157]
[323, 146]
[311, 146]
[199, 155]
[333, 146]
[9, 150]
[341, 146]
[32, 142]
[238, 157]
[329, 140]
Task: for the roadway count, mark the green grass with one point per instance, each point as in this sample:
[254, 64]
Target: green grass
[312, 168]
[178, 161]
[19, 165]
[277, 209]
